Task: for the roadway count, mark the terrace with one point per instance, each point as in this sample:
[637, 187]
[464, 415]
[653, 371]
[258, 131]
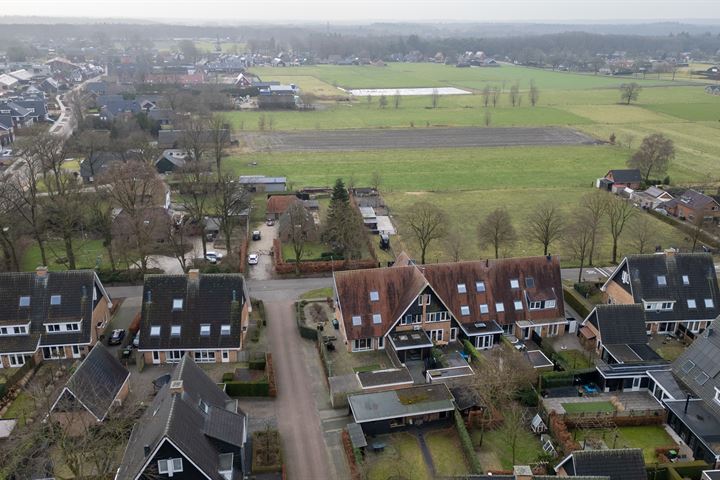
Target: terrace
[623, 403]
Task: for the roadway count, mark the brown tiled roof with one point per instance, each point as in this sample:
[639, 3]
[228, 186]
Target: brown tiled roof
[399, 285]
[278, 204]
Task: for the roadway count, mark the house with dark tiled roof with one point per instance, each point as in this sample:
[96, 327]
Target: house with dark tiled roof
[192, 430]
[678, 291]
[205, 315]
[100, 163]
[409, 308]
[694, 410]
[7, 130]
[617, 180]
[692, 205]
[98, 384]
[617, 464]
[50, 315]
[171, 159]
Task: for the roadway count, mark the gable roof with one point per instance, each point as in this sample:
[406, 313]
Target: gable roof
[693, 200]
[179, 418]
[100, 162]
[618, 464]
[656, 192]
[278, 204]
[97, 381]
[641, 280]
[631, 175]
[213, 299]
[619, 324]
[79, 291]
[399, 285]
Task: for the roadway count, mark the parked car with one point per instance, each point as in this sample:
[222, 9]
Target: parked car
[136, 340]
[6, 152]
[116, 337]
[256, 235]
[662, 211]
[270, 222]
[253, 259]
[213, 257]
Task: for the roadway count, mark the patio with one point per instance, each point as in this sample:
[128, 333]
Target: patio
[630, 401]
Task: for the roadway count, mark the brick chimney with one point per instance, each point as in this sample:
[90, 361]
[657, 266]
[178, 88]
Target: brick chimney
[41, 271]
[176, 387]
[522, 472]
[194, 274]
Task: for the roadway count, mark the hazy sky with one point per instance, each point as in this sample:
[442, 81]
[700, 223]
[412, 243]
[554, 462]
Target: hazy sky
[359, 11]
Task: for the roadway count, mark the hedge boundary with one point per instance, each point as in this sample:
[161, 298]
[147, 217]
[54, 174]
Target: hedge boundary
[467, 444]
[578, 304]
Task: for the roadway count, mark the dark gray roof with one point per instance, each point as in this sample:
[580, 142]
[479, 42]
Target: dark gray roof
[538, 359]
[644, 270]
[6, 122]
[626, 175]
[700, 419]
[214, 299]
[392, 376]
[100, 162]
[357, 437]
[636, 353]
[699, 366]
[76, 289]
[666, 380]
[619, 324]
[97, 381]
[404, 402]
[712, 474]
[693, 199]
[179, 418]
[619, 464]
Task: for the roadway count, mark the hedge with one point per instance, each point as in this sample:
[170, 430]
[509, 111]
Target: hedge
[305, 331]
[258, 364]
[557, 379]
[248, 389]
[472, 351]
[228, 377]
[125, 276]
[467, 444]
[579, 305]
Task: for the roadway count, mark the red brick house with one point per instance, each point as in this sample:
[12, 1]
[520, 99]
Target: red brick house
[692, 205]
[617, 180]
[278, 204]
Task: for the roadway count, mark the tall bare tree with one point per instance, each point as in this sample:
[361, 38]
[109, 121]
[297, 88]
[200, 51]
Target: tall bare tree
[629, 92]
[534, 93]
[514, 94]
[486, 95]
[595, 205]
[195, 188]
[376, 180]
[295, 228]
[230, 200]
[426, 223]
[455, 245]
[545, 225]
[641, 233]
[619, 212]
[435, 98]
[497, 230]
[195, 137]
[654, 156]
[220, 137]
[396, 99]
[578, 238]
[495, 96]
[696, 231]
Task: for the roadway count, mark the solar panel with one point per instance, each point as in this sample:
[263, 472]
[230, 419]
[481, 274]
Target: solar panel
[687, 366]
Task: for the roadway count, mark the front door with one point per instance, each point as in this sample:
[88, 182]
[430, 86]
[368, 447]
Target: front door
[225, 356]
[453, 334]
[156, 357]
[526, 332]
[636, 384]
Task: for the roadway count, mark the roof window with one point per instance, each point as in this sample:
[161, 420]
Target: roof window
[374, 296]
[461, 288]
[24, 301]
[483, 308]
[155, 331]
[518, 305]
[514, 283]
[529, 282]
[205, 330]
[175, 330]
[55, 299]
[377, 318]
[499, 307]
[692, 303]
[661, 280]
[686, 280]
[177, 304]
[356, 320]
[464, 310]
[480, 286]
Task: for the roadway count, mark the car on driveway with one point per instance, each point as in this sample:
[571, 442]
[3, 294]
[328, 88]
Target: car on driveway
[253, 259]
[116, 337]
[213, 257]
[256, 235]
[270, 222]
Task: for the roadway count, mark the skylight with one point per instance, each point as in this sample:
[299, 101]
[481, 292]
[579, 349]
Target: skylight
[464, 310]
[701, 378]
[356, 320]
[661, 280]
[175, 330]
[529, 282]
[374, 296]
[709, 303]
[514, 283]
[377, 318]
[687, 366]
[518, 305]
[499, 307]
[480, 286]
[483, 308]
[177, 304]
[154, 331]
[692, 303]
[686, 280]
[204, 330]
[25, 301]
[55, 299]
[225, 330]
[462, 288]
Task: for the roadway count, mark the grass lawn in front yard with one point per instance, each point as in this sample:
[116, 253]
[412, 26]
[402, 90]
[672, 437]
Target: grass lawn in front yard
[317, 293]
[646, 437]
[366, 368]
[496, 454]
[589, 407]
[401, 458]
[446, 452]
[21, 408]
[574, 359]
[311, 251]
[87, 253]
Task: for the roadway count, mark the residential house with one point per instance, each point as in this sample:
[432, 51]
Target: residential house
[692, 205]
[49, 86]
[678, 291]
[710, 475]
[279, 204]
[115, 108]
[312, 230]
[23, 76]
[96, 386]
[37, 105]
[695, 415]
[204, 315]
[21, 116]
[651, 198]
[170, 160]
[618, 464]
[261, 183]
[155, 227]
[617, 180]
[192, 430]
[50, 315]
[408, 308]
[7, 82]
[618, 335]
[391, 410]
[7, 130]
[100, 163]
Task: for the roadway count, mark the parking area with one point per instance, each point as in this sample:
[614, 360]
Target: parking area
[263, 248]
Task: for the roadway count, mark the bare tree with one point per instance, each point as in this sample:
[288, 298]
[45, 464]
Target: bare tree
[382, 101]
[578, 238]
[195, 137]
[534, 93]
[295, 228]
[195, 188]
[396, 99]
[618, 212]
[488, 117]
[514, 94]
[641, 233]
[426, 223]
[10, 234]
[629, 138]
[495, 96]
[180, 241]
[230, 201]
[435, 98]
[545, 225]
[696, 231]
[486, 95]
[455, 245]
[497, 230]
[595, 205]
[629, 92]
[375, 180]
[654, 156]
[514, 424]
[219, 132]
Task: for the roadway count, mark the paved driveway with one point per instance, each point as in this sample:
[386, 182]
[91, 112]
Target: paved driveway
[264, 269]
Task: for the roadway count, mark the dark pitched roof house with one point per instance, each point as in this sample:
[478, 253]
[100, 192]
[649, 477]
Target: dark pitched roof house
[619, 464]
[619, 324]
[96, 384]
[625, 176]
[671, 287]
[694, 200]
[192, 312]
[170, 160]
[191, 430]
[100, 163]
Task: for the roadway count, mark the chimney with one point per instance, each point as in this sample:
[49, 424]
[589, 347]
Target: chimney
[176, 387]
[522, 472]
[194, 274]
[146, 450]
[41, 271]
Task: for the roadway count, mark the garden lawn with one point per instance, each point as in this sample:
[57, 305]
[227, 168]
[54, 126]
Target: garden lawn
[647, 437]
[87, 253]
[311, 251]
[317, 293]
[574, 359]
[528, 448]
[446, 452]
[366, 368]
[402, 458]
[21, 408]
[589, 407]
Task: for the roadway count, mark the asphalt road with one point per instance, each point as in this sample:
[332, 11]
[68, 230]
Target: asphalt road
[434, 137]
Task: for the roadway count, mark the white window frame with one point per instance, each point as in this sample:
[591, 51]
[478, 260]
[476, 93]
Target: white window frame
[169, 467]
[686, 280]
[499, 307]
[362, 344]
[204, 356]
[518, 305]
[356, 320]
[424, 299]
[535, 305]
[553, 330]
[461, 288]
[437, 335]
[26, 299]
[16, 360]
[484, 308]
[381, 342]
[205, 330]
[453, 334]
[661, 280]
[177, 304]
[694, 326]
[376, 319]
[709, 303]
[225, 330]
[480, 287]
[173, 356]
[155, 330]
[691, 303]
[514, 283]
[175, 330]
[374, 296]
[549, 303]
[464, 310]
[55, 300]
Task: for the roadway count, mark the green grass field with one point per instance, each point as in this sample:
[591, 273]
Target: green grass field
[589, 407]
[402, 458]
[87, 253]
[446, 452]
[646, 437]
[495, 453]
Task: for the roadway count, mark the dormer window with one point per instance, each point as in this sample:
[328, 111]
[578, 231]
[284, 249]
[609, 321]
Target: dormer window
[499, 307]
[514, 283]
[155, 331]
[480, 286]
[203, 406]
[464, 310]
[225, 330]
[24, 301]
[55, 299]
[377, 318]
[686, 280]
[661, 280]
[356, 320]
[461, 288]
[205, 330]
[709, 303]
[529, 282]
[483, 308]
[175, 330]
[374, 296]
[177, 304]
[691, 303]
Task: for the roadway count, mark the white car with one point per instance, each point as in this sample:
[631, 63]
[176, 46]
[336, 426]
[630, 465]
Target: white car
[213, 257]
[253, 259]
